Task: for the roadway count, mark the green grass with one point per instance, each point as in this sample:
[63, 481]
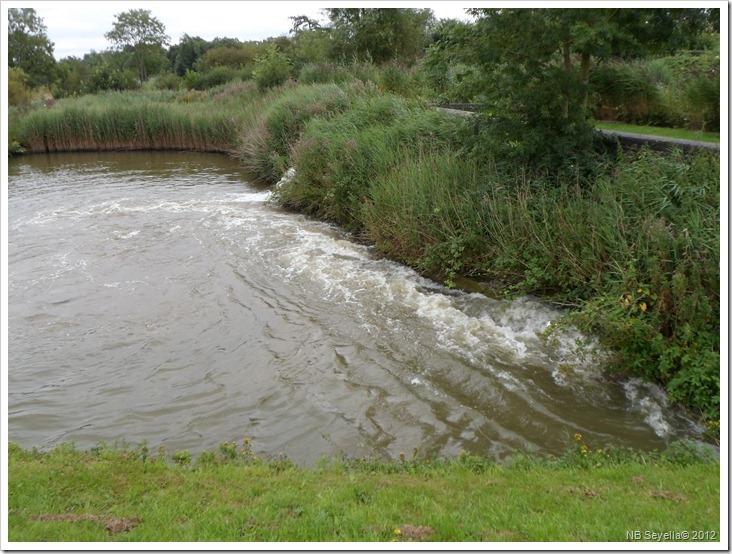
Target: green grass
[127, 495]
[685, 134]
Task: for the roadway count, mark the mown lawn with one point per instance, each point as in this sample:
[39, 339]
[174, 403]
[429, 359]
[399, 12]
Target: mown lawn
[659, 131]
[127, 495]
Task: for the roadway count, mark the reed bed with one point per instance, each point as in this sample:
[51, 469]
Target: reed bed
[637, 252]
[126, 122]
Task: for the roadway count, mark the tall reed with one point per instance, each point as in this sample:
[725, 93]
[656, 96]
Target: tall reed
[264, 146]
[338, 159]
[126, 122]
[637, 251]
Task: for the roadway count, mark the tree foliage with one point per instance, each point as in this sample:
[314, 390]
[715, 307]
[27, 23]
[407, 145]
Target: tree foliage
[141, 33]
[18, 91]
[272, 68]
[184, 55]
[375, 34]
[29, 48]
[535, 66]
[71, 75]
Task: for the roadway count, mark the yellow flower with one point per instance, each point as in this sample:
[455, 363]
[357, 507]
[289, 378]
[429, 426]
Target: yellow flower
[577, 437]
[397, 532]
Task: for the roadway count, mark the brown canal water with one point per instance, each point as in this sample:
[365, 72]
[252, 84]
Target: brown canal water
[161, 297]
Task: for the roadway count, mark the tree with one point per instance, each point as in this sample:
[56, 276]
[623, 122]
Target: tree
[378, 34]
[186, 53]
[71, 75]
[29, 48]
[536, 65]
[444, 63]
[141, 33]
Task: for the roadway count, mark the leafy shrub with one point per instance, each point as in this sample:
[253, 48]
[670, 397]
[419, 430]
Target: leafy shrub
[106, 77]
[272, 69]
[167, 81]
[227, 56]
[212, 78]
[18, 91]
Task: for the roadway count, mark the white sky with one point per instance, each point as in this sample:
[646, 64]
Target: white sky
[78, 27]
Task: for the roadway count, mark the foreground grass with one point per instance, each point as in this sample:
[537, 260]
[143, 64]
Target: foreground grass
[126, 495]
[684, 134]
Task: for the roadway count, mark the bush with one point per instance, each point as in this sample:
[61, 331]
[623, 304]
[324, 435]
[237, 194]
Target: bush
[106, 77]
[272, 69]
[18, 91]
[194, 80]
[167, 81]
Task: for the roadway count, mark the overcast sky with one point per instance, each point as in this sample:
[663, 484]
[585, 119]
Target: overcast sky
[78, 27]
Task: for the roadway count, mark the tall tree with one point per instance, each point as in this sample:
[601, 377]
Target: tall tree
[29, 48]
[184, 55]
[140, 32]
[380, 34]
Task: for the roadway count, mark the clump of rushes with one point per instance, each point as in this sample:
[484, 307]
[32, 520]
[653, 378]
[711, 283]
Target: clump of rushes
[264, 146]
[339, 159]
[125, 122]
[425, 214]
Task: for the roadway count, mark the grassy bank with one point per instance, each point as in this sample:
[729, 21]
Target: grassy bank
[635, 250]
[666, 132]
[230, 495]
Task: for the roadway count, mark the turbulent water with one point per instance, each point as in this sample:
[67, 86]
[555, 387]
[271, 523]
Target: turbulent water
[161, 297]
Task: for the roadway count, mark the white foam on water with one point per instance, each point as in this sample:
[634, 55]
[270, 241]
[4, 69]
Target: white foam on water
[128, 235]
[650, 401]
[347, 272]
[255, 197]
[480, 330]
[286, 178]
